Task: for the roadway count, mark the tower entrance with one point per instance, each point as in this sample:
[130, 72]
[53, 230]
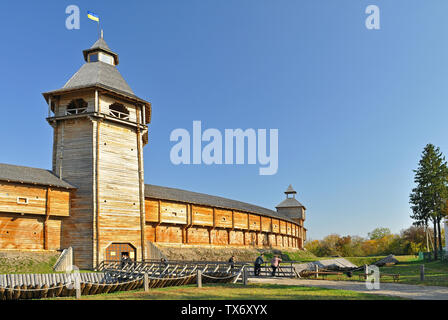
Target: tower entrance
[115, 251]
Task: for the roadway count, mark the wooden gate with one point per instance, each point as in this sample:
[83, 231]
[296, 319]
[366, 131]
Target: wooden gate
[115, 251]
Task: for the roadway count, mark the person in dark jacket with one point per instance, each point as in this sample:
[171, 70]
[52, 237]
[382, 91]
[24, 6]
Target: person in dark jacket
[257, 265]
[124, 260]
[232, 261]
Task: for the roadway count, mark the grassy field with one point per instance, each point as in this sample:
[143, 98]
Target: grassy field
[238, 292]
[27, 263]
[360, 261]
[436, 272]
[298, 255]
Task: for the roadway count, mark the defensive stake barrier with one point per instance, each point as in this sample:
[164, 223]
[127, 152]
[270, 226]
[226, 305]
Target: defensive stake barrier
[113, 278]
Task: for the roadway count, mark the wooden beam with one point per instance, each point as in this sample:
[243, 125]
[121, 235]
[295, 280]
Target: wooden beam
[97, 196]
[96, 101]
[159, 213]
[47, 216]
[49, 107]
[141, 185]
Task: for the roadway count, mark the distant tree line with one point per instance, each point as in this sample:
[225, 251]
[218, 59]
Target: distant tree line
[379, 242]
[429, 206]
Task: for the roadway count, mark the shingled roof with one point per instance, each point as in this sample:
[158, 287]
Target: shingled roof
[100, 45]
[165, 193]
[27, 175]
[290, 203]
[97, 74]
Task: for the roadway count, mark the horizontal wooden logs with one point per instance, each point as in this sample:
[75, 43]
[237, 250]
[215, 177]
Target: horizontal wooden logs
[31, 199]
[174, 222]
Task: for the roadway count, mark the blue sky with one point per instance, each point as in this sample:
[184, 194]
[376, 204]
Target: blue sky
[354, 107]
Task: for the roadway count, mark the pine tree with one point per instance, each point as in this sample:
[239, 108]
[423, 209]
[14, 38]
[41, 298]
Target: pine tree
[429, 197]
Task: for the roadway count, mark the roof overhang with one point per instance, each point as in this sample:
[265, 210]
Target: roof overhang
[39, 184]
[102, 88]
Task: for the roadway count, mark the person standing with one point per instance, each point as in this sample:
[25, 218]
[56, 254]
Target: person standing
[232, 261]
[257, 265]
[124, 260]
[275, 262]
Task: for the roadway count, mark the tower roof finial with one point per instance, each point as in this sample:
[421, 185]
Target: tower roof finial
[290, 190]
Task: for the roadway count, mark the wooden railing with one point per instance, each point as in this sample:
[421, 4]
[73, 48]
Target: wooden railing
[65, 261]
[118, 114]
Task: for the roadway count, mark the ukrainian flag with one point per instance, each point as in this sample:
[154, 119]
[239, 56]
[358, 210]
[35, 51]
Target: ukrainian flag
[93, 16]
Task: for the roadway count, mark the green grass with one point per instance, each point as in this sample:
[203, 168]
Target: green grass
[238, 292]
[27, 265]
[436, 272]
[360, 261]
[298, 255]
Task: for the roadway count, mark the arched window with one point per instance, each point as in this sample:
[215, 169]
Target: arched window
[118, 110]
[77, 106]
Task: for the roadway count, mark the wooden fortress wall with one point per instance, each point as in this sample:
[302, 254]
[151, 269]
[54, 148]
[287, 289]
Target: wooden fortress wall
[31, 216]
[184, 223]
[43, 223]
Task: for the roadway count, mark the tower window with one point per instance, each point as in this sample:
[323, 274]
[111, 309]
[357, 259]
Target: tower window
[93, 57]
[119, 111]
[22, 200]
[77, 106]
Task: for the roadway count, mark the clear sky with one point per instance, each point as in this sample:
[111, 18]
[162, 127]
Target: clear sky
[354, 107]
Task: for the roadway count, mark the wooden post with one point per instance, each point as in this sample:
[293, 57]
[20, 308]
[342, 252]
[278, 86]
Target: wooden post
[317, 271]
[49, 107]
[77, 286]
[245, 276]
[146, 282]
[96, 101]
[97, 195]
[47, 216]
[422, 272]
[141, 188]
[199, 279]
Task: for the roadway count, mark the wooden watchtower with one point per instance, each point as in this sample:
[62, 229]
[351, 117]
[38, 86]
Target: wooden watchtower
[100, 129]
[294, 210]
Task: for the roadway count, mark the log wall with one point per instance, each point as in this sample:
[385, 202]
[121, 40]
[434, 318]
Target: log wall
[31, 216]
[32, 199]
[118, 187]
[74, 160]
[184, 223]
